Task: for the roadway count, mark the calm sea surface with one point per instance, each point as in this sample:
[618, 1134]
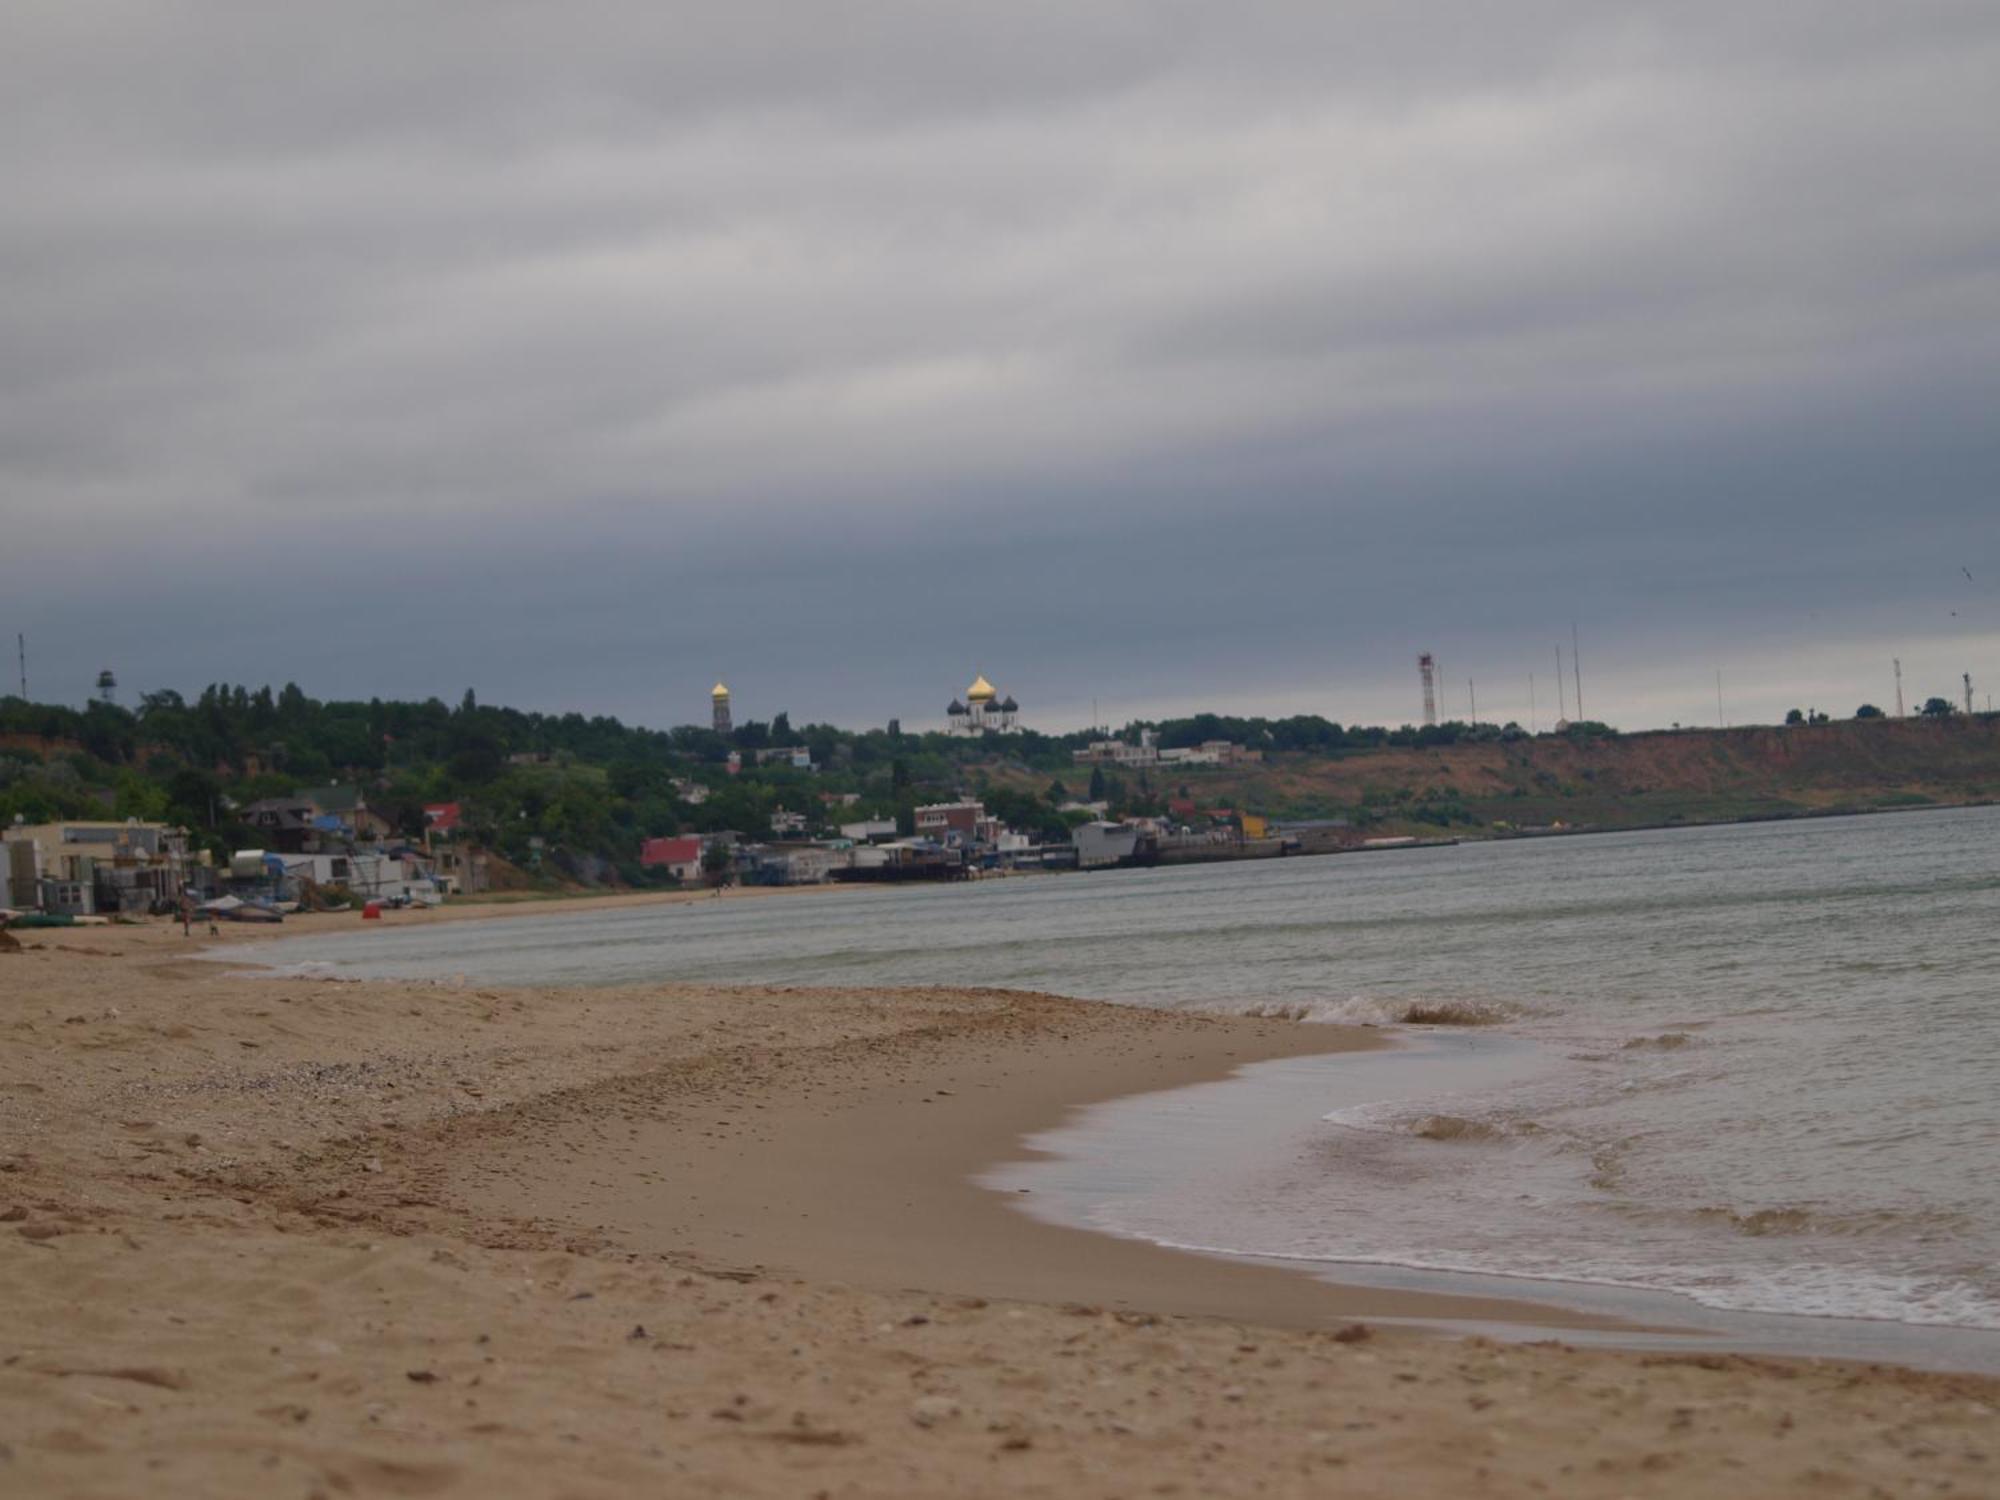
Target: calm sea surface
[1757, 1067]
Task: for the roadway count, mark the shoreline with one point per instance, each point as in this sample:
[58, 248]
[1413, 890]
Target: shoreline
[253, 1240]
[1090, 1264]
[870, 1178]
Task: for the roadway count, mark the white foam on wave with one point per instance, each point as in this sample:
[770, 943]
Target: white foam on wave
[1364, 1010]
[1816, 1291]
[1355, 1010]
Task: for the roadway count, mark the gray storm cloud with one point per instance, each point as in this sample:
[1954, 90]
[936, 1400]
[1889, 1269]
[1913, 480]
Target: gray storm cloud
[1163, 354]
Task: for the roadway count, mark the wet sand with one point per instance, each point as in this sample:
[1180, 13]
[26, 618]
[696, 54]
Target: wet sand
[857, 1164]
[290, 1237]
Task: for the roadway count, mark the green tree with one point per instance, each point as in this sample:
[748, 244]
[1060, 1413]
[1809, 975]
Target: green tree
[1938, 708]
[715, 864]
[1868, 711]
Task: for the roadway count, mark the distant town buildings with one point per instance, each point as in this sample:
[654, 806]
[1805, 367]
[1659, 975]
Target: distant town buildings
[956, 823]
[81, 869]
[316, 819]
[1148, 753]
[984, 711]
[869, 830]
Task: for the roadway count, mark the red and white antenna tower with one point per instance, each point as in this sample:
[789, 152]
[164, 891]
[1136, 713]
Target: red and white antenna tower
[1427, 670]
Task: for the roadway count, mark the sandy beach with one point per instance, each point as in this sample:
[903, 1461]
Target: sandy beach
[289, 1237]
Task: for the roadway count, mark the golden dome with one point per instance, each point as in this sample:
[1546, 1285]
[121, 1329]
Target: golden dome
[719, 692]
[981, 691]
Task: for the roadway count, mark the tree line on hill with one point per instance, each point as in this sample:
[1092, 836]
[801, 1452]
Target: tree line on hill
[582, 791]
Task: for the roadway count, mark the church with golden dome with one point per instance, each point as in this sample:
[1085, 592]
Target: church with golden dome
[983, 711]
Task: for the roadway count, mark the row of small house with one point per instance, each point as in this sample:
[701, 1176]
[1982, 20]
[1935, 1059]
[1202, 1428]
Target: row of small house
[81, 869]
[314, 849]
[319, 843]
[951, 840]
[337, 820]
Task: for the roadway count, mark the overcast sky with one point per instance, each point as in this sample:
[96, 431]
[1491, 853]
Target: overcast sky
[1165, 356]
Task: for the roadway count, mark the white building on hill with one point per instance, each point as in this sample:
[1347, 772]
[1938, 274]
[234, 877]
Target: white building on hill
[984, 711]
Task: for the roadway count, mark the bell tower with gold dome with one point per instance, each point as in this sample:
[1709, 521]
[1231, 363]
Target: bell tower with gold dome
[719, 701]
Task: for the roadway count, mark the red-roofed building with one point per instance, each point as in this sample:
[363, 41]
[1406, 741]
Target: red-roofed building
[441, 817]
[680, 858]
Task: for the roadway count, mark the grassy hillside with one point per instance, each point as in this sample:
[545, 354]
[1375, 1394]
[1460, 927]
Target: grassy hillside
[1678, 776]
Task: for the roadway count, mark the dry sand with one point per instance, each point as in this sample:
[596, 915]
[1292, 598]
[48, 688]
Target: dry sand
[298, 1238]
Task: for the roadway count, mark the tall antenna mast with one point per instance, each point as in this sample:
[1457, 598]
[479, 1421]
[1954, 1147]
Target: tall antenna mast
[1721, 721]
[1427, 671]
[1562, 703]
[21, 644]
[1531, 705]
[1897, 662]
[1472, 699]
[1968, 691]
[1576, 665]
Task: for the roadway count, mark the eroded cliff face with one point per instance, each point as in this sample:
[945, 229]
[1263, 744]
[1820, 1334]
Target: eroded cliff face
[1621, 781]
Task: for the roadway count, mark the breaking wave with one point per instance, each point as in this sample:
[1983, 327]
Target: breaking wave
[1455, 1128]
[1360, 1010]
[1763, 1223]
[1665, 1042]
[1455, 1013]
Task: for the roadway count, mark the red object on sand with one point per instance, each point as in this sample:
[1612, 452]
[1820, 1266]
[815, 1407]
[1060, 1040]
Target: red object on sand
[372, 912]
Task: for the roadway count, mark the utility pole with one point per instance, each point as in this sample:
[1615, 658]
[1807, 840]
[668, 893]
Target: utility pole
[1720, 721]
[1576, 665]
[1531, 705]
[1897, 662]
[1472, 699]
[21, 645]
[1968, 693]
[1562, 704]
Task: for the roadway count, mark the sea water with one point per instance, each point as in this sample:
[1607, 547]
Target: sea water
[1754, 1067]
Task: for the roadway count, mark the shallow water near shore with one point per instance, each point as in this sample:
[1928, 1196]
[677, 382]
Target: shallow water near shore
[1242, 1161]
[1751, 1068]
